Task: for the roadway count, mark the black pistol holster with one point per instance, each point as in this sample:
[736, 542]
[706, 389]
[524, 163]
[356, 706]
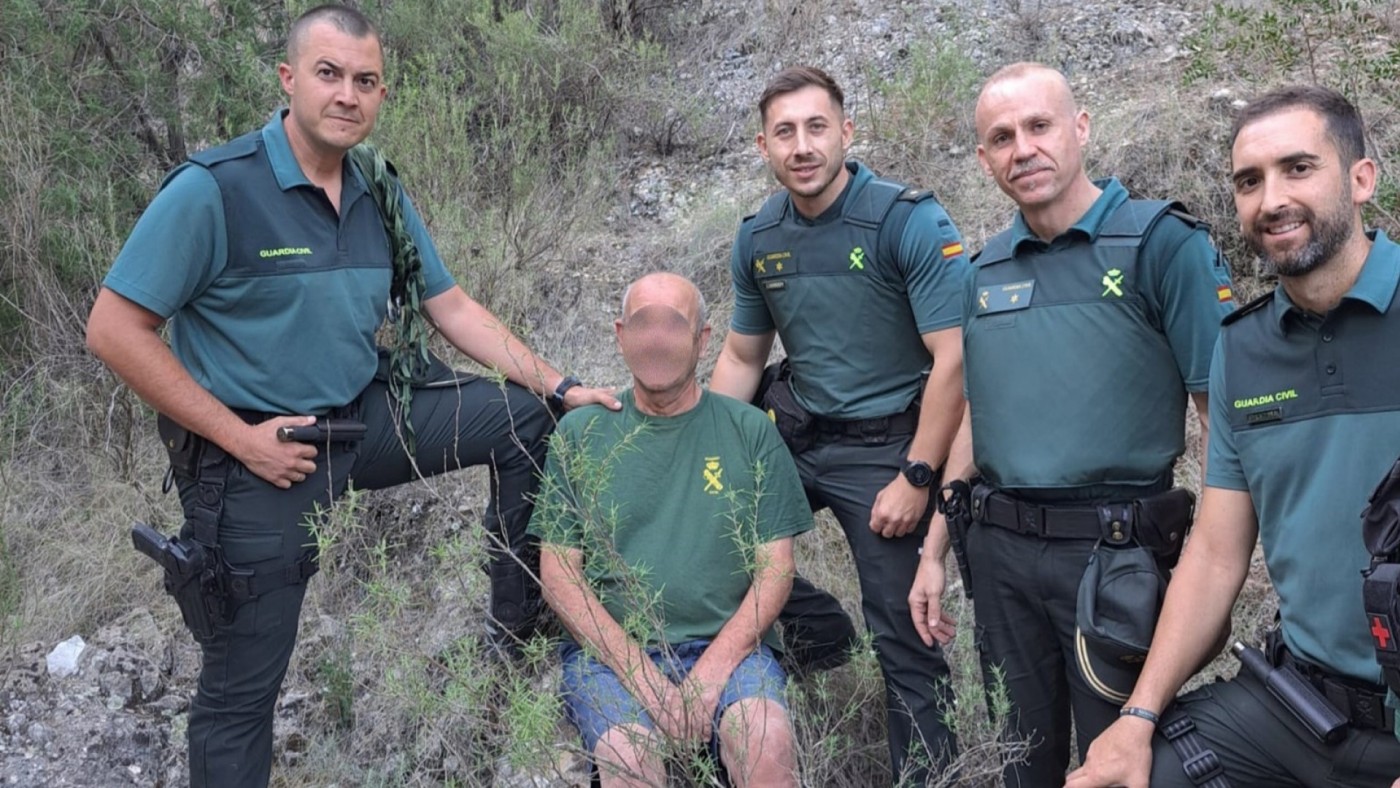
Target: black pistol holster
[775, 397]
[954, 502]
[1380, 529]
[207, 589]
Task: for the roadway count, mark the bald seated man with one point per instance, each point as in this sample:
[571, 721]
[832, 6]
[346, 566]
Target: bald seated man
[666, 531]
[1086, 325]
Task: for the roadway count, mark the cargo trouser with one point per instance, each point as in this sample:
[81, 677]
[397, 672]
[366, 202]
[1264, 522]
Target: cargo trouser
[1261, 745]
[1024, 591]
[845, 473]
[264, 529]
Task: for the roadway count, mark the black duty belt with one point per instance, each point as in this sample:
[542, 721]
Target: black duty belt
[1048, 522]
[876, 429]
[254, 416]
[1364, 704]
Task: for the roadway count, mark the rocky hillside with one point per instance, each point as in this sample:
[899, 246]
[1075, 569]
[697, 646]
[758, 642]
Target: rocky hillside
[1160, 79]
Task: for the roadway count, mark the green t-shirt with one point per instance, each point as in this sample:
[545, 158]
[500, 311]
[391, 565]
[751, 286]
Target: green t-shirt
[667, 510]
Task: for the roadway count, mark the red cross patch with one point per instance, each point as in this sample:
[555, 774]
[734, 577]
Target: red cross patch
[1382, 633]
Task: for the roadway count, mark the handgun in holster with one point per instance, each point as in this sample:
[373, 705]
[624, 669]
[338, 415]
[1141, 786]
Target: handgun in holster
[954, 502]
[325, 430]
[189, 578]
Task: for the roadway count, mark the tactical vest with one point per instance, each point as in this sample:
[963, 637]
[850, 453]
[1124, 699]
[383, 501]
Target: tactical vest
[1073, 383]
[288, 325]
[839, 301]
[257, 211]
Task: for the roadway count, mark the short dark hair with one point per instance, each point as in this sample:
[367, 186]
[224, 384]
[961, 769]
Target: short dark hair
[795, 78]
[1344, 126]
[345, 19]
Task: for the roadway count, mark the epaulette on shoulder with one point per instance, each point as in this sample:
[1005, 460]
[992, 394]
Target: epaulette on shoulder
[1190, 219]
[1252, 306]
[912, 194]
[236, 148]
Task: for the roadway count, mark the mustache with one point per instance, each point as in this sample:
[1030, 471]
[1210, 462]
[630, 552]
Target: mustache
[1292, 214]
[1027, 167]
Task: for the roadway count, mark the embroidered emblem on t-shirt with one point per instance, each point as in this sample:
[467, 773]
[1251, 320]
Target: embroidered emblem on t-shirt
[712, 473]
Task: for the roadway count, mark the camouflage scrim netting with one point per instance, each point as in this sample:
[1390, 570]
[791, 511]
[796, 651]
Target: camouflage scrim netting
[408, 347]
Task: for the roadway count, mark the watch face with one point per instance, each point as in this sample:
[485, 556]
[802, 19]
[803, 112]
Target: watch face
[918, 474]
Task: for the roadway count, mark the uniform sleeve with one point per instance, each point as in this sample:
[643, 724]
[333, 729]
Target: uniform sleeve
[1189, 286]
[935, 267]
[178, 246]
[783, 510]
[1223, 468]
[436, 278]
[751, 314]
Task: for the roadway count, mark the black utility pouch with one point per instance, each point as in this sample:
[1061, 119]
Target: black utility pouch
[186, 448]
[1162, 522]
[1380, 531]
[794, 423]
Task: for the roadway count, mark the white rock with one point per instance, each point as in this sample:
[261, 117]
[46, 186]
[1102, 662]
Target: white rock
[63, 660]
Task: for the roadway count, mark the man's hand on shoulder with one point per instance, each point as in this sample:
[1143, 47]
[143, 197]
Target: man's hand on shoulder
[579, 396]
[898, 508]
[1121, 755]
[275, 462]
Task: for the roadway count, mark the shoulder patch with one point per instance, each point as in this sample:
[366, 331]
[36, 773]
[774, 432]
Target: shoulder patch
[1252, 306]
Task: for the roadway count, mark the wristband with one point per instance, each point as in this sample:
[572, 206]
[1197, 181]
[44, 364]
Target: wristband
[556, 397]
[1140, 713]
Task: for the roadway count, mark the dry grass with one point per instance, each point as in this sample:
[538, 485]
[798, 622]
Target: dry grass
[393, 690]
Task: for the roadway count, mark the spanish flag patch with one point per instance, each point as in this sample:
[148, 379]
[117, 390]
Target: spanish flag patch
[1223, 293]
[952, 250]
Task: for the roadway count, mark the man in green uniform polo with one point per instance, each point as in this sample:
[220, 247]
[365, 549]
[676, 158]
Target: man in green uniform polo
[1086, 325]
[1305, 421]
[667, 553]
[861, 278]
[270, 259]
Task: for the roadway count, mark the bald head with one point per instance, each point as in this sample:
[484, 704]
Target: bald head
[343, 18]
[671, 291]
[1030, 140]
[662, 333]
[1022, 80]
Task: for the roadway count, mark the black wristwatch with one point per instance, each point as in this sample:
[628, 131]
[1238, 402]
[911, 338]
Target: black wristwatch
[918, 473]
[556, 397]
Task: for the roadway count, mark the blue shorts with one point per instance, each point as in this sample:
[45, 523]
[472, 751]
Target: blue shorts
[597, 701]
